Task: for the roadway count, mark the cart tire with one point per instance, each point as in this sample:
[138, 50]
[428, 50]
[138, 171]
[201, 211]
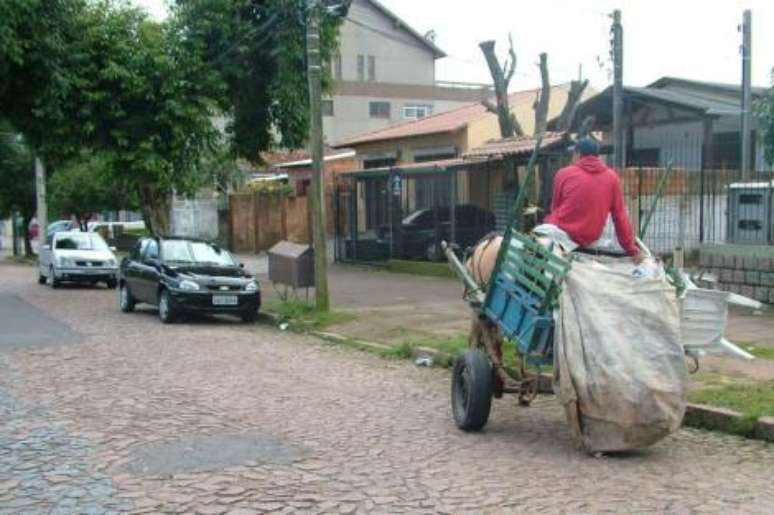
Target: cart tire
[472, 390]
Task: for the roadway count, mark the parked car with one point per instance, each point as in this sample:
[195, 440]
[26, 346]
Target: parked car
[419, 235]
[79, 257]
[181, 275]
[96, 226]
[59, 226]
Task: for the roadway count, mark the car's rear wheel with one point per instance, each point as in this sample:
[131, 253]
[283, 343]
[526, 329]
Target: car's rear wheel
[125, 299]
[52, 280]
[166, 309]
[41, 278]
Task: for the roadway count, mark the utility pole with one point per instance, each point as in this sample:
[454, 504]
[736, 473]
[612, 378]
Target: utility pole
[317, 204]
[40, 193]
[618, 93]
[746, 94]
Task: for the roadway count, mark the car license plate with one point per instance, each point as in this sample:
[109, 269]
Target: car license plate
[225, 300]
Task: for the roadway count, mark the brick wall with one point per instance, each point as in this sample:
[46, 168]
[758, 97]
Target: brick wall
[742, 269]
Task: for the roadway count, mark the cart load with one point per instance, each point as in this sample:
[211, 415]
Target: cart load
[617, 338]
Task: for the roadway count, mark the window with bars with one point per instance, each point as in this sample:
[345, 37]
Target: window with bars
[361, 67]
[371, 68]
[379, 109]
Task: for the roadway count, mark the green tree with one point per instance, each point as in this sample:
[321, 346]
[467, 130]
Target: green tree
[37, 72]
[764, 112]
[145, 101]
[17, 179]
[257, 49]
[85, 186]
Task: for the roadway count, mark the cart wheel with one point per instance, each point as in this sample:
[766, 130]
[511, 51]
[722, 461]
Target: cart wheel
[472, 390]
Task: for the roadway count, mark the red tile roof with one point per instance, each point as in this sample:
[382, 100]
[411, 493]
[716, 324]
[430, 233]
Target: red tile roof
[520, 145]
[448, 121]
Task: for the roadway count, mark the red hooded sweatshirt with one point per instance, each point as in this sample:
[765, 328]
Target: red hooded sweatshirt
[584, 194]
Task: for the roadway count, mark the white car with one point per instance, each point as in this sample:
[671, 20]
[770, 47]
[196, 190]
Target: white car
[78, 257]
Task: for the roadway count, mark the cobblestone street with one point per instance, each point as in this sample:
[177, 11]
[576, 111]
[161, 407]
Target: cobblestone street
[126, 415]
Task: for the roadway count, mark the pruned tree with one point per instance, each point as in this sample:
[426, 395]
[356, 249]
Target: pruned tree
[586, 126]
[501, 76]
[570, 110]
[543, 101]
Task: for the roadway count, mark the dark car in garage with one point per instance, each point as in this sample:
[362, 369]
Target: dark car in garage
[181, 275]
[418, 230]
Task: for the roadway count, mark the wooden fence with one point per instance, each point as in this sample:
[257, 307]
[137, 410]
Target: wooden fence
[260, 220]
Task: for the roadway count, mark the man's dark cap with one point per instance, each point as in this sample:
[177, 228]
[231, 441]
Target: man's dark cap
[586, 147]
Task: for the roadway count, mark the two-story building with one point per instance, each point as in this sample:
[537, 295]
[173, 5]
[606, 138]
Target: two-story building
[385, 73]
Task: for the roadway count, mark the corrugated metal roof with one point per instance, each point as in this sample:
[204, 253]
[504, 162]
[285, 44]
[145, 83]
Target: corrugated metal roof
[733, 89]
[522, 145]
[698, 102]
[449, 121]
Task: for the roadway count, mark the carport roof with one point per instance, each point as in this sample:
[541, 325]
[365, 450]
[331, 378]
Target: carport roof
[429, 167]
[701, 105]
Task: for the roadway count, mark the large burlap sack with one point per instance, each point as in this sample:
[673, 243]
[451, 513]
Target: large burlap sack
[620, 371]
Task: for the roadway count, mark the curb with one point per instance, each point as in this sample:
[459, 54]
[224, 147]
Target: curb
[727, 421]
[708, 417]
[337, 338]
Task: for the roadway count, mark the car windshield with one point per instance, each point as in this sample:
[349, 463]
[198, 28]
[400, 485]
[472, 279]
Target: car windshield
[194, 252]
[81, 242]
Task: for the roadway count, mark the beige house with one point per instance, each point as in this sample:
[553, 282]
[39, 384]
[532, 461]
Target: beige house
[439, 140]
[385, 74]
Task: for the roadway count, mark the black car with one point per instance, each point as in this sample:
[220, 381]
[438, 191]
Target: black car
[187, 276]
[418, 230]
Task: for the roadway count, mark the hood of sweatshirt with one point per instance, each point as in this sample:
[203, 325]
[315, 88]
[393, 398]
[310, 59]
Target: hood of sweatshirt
[591, 164]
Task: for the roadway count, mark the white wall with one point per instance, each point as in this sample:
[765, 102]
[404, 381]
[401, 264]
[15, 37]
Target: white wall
[400, 58]
[197, 218]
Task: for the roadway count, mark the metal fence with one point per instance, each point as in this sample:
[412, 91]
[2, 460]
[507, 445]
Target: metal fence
[700, 206]
[384, 217]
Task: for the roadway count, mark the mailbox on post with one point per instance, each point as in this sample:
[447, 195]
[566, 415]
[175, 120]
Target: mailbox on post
[291, 264]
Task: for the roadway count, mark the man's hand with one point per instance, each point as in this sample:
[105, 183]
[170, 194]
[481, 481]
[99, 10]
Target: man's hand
[638, 258]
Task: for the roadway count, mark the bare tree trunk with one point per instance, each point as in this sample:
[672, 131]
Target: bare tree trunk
[501, 76]
[570, 110]
[27, 243]
[155, 211]
[542, 103]
[586, 126]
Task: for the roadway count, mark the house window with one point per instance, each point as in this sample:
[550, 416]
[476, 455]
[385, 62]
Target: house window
[361, 67]
[415, 112]
[337, 66]
[371, 68]
[379, 109]
[327, 107]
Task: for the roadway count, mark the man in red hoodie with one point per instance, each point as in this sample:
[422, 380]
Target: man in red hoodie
[585, 193]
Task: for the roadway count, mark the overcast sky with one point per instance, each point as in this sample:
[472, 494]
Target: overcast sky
[694, 39]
